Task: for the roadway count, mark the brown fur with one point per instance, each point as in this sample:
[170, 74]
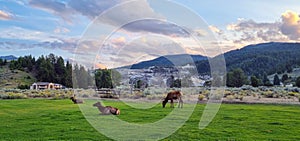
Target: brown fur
[173, 95]
[107, 110]
[76, 101]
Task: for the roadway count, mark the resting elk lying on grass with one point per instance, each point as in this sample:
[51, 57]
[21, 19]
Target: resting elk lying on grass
[76, 101]
[107, 110]
[173, 95]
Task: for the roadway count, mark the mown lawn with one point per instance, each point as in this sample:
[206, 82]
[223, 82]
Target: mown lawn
[42, 119]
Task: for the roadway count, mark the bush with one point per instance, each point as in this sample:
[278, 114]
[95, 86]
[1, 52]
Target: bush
[268, 94]
[230, 97]
[22, 87]
[292, 93]
[12, 95]
[201, 97]
[241, 98]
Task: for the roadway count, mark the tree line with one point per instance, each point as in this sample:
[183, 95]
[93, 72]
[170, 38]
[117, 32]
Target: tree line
[49, 68]
[55, 69]
[238, 78]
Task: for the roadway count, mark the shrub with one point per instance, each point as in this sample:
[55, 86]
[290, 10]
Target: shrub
[241, 98]
[201, 97]
[22, 87]
[216, 96]
[268, 94]
[230, 97]
[146, 92]
[12, 95]
[292, 93]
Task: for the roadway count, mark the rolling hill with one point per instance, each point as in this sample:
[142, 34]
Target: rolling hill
[15, 78]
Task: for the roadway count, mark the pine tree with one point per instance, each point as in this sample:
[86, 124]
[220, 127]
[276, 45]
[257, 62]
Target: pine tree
[298, 82]
[276, 80]
[68, 76]
[284, 78]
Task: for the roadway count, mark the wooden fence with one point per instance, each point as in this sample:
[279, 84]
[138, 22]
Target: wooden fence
[108, 93]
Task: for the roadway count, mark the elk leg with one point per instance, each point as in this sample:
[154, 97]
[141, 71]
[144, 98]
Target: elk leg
[180, 103]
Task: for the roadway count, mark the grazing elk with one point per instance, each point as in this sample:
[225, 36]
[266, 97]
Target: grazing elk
[173, 95]
[107, 110]
[76, 101]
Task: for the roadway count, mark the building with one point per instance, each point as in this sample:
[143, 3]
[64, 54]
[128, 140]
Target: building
[45, 85]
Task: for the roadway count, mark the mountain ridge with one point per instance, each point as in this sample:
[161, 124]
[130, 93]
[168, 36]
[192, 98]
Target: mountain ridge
[256, 59]
[168, 61]
[8, 57]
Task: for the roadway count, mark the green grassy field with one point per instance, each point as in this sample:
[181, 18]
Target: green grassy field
[41, 119]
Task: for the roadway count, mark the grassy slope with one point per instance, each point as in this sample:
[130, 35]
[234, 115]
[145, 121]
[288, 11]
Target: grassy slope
[11, 79]
[38, 119]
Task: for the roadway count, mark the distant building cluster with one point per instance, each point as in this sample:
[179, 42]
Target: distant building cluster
[158, 76]
[45, 85]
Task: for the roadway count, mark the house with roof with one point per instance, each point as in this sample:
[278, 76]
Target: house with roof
[45, 85]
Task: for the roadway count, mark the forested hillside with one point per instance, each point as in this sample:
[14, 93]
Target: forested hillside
[266, 58]
[23, 71]
[50, 68]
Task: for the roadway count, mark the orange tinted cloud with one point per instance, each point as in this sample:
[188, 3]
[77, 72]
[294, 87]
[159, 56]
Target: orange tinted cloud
[290, 25]
[5, 15]
[120, 41]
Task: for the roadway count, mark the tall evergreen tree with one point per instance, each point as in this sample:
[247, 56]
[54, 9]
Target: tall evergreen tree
[284, 78]
[60, 70]
[276, 80]
[266, 80]
[68, 75]
[298, 82]
[107, 78]
[82, 78]
[75, 75]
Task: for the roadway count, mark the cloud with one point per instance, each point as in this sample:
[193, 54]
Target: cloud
[120, 41]
[20, 38]
[58, 8]
[245, 25]
[92, 8]
[250, 32]
[133, 16]
[24, 44]
[20, 33]
[291, 25]
[5, 15]
[215, 29]
[59, 30]
[12, 45]
[157, 27]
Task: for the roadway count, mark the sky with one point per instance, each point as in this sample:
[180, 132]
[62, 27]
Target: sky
[112, 33]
